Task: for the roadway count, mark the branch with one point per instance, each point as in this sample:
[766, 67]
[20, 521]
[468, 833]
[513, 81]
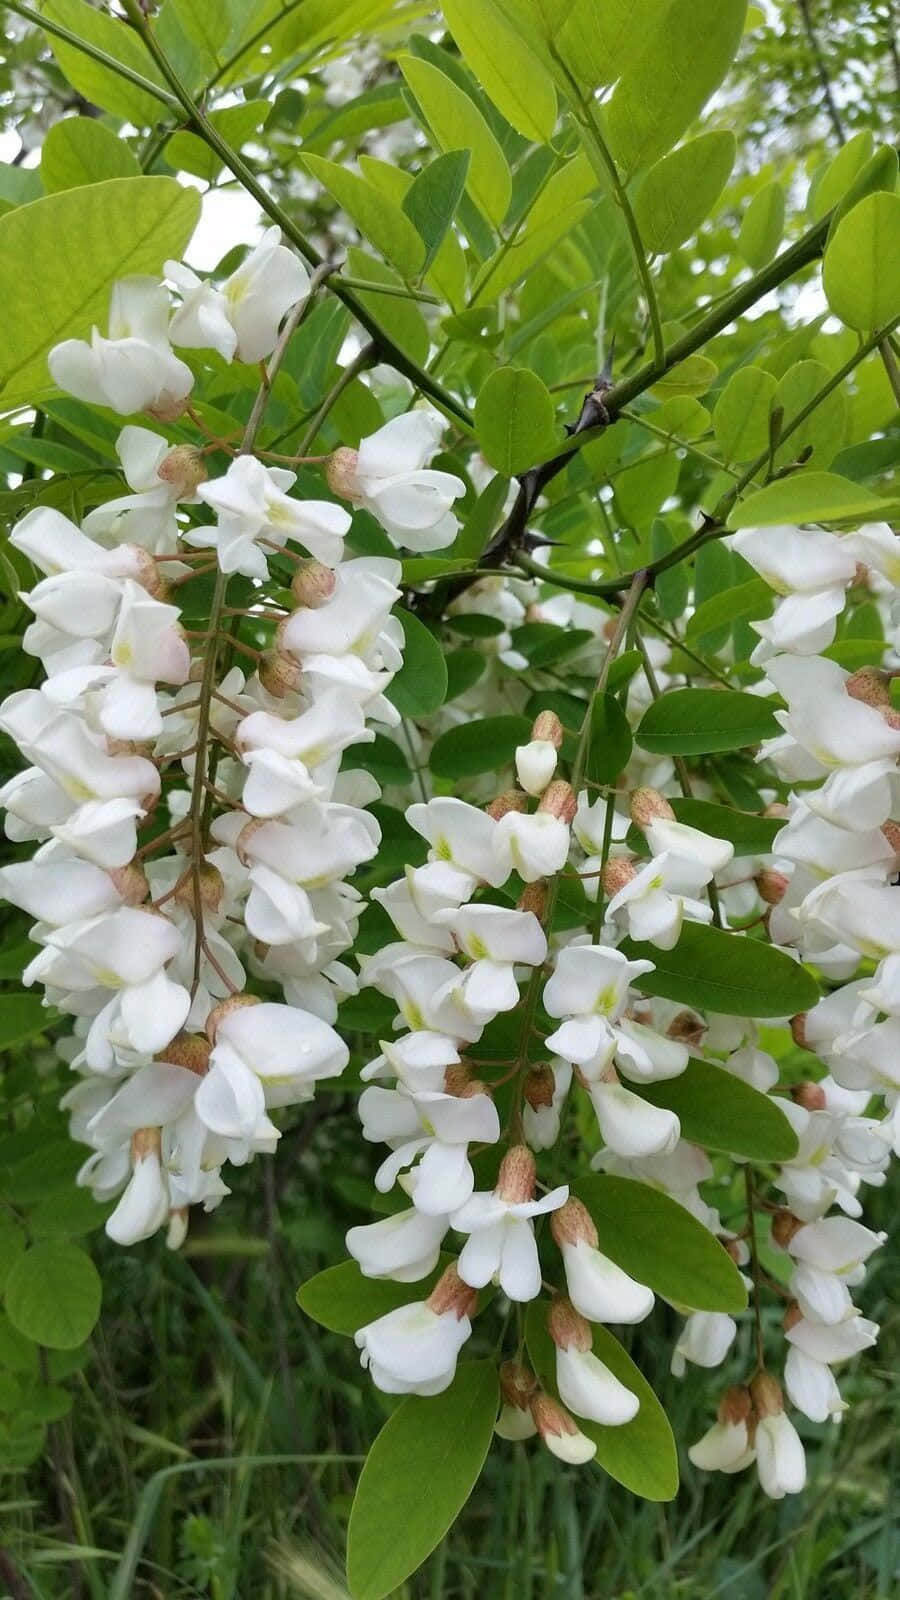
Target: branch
[822, 69]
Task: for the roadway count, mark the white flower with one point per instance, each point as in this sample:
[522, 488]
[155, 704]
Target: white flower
[461, 837]
[585, 1383]
[147, 516]
[243, 317]
[404, 1247]
[501, 1241]
[597, 1288]
[780, 1459]
[535, 765]
[388, 476]
[134, 369]
[796, 560]
[812, 1388]
[654, 902]
[55, 545]
[835, 1244]
[725, 1447]
[705, 1340]
[144, 1206]
[831, 1344]
[535, 846]
[250, 503]
[413, 1350]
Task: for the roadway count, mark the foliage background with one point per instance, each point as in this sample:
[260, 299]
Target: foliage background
[154, 1474]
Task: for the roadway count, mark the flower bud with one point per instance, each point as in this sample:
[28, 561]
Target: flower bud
[811, 1096]
[771, 885]
[567, 1327]
[515, 1181]
[145, 1142]
[547, 726]
[776, 809]
[648, 805]
[616, 874]
[313, 584]
[534, 898]
[149, 576]
[451, 1294]
[870, 685]
[244, 837]
[559, 1431]
[784, 1226]
[535, 765]
[341, 473]
[791, 1317]
[279, 673]
[131, 882]
[687, 1028]
[224, 1009]
[765, 1392]
[797, 1026]
[188, 1050]
[891, 831]
[735, 1405]
[211, 889]
[168, 408]
[559, 800]
[517, 1384]
[573, 1224]
[184, 469]
[509, 800]
[539, 1087]
[177, 1230]
[458, 1081]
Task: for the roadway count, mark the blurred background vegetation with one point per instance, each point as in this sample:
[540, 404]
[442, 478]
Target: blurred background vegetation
[207, 1439]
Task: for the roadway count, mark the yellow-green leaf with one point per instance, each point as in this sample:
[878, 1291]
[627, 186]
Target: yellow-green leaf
[457, 124]
[379, 220]
[741, 416]
[762, 226]
[81, 150]
[681, 190]
[508, 71]
[101, 85]
[861, 274]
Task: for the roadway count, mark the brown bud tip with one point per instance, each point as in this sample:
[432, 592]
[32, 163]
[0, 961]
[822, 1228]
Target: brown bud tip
[534, 898]
[735, 1405]
[219, 1012]
[517, 1384]
[558, 800]
[145, 1142]
[260, 949]
[244, 837]
[791, 1317]
[458, 1081]
[515, 1180]
[168, 408]
[184, 469]
[451, 1294]
[891, 831]
[567, 1327]
[129, 747]
[279, 673]
[189, 1050]
[798, 1030]
[871, 686]
[648, 805]
[766, 1394]
[776, 809]
[811, 1096]
[313, 584]
[732, 1247]
[539, 1086]
[784, 1226]
[509, 800]
[130, 882]
[341, 474]
[548, 726]
[149, 576]
[550, 1417]
[687, 1028]
[207, 885]
[573, 1224]
[771, 885]
[616, 874]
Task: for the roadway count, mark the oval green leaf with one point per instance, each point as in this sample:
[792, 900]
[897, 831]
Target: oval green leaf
[79, 151]
[693, 722]
[508, 71]
[718, 971]
[514, 420]
[861, 273]
[741, 416]
[812, 497]
[476, 747]
[421, 684]
[610, 740]
[680, 191]
[762, 226]
[721, 1112]
[53, 1295]
[751, 835]
[457, 124]
[341, 1299]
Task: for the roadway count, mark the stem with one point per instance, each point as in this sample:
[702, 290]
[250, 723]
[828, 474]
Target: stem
[890, 366]
[345, 377]
[755, 1269]
[822, 69]
[235, 163]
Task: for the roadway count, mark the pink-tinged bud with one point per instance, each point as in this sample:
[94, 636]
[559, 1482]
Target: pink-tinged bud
[244, 837]
[218, 1014]
[341, 473]
[616, 874]
[459, 1082]
[548, 726]
[313, 584]
[871, 686]
[559, 1430]
[776, 809]
[534, 898]
[568, 1329]
[451, 1294]
[648, 805]
[558, 800]
[573, 1224]
[784, 1226]
[811, 1096]
[687, 1028]
[184, 470]
[509, 800]
[798, 1030]
[168, 409]
[766, 1394]
[735, 1405]
[130, 882]
[539, 1086]
[772, 886]
[791, 1317]
[518, 1384]
[891, 831]
[188, 1050]
[208, 883]
[279, 673]
[145, 1142]
[149, 576]
[515, 1180]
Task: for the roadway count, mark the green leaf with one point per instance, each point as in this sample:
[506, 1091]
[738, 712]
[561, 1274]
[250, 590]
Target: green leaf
[70, 248]
[643, 486]
[693, 722]
[53, 1295]
[751, 599]
[649, 1235]
[672, 587]
[762, 227]
[81, 150]
[841, 173]
[464, 668]
[811, 497]
[22, 1016]
[433, 197]
[609, 751]
[102, 86]
[421, 684]
[641, 1454]
[457, 124]
[659, 96]
[861, 272]
[12, 1245]
[236, 124]
[508, 71]
[418, 1476]
[476, 531]
[379, 219]
[718, 1110]
[475, 747]
[751, 835]
[681, 190]
[513, 262]
[400, 318]
[342, 1300]
[694, 375]
[822, 433]
[741, 415]
[514, 420]
[879, 173]
[728, 972]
